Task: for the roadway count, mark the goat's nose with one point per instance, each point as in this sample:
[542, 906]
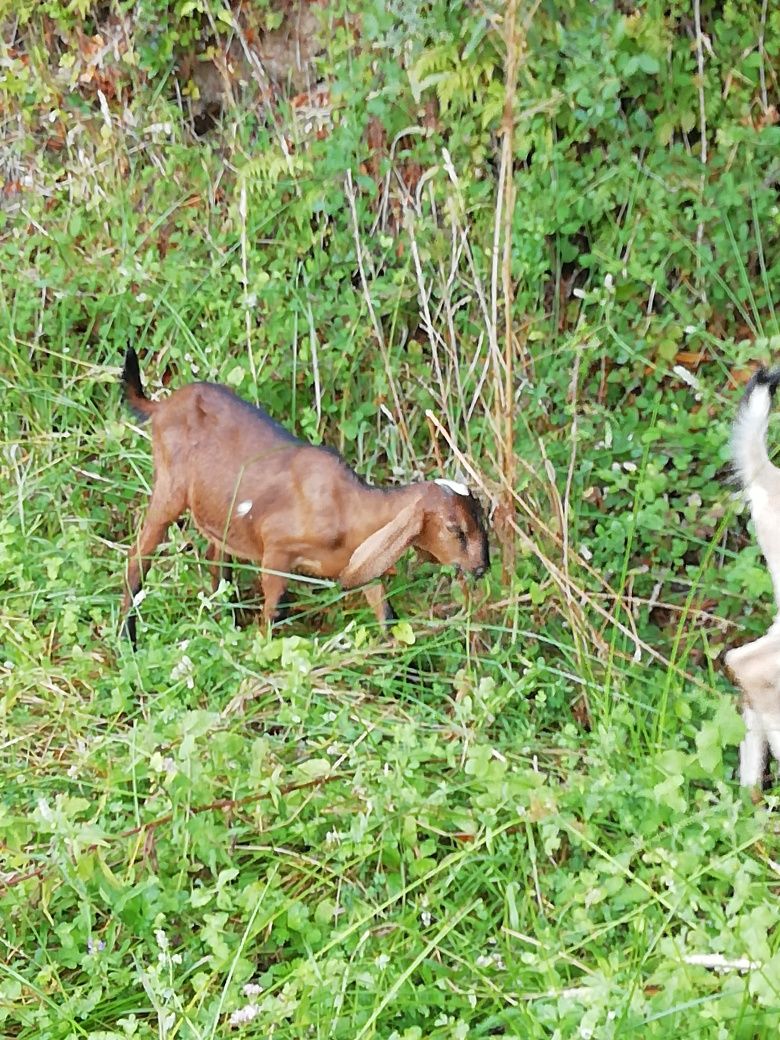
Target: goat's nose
[479, 571]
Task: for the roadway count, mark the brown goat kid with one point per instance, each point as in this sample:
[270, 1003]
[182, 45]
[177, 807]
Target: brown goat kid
[258, 493]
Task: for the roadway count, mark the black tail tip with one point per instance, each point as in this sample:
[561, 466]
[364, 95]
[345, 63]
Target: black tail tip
[765, 377]
[133, 386]
[131, 373]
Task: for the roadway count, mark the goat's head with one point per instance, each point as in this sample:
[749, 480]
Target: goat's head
[453, 530]
[444, 522]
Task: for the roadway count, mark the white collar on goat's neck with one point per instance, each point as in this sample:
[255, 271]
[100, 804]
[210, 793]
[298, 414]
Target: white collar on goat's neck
[453, 485]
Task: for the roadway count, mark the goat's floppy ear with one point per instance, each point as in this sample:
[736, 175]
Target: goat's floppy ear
[381, 549]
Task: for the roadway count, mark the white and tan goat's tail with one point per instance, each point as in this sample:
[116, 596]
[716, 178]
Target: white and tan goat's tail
[748, 438]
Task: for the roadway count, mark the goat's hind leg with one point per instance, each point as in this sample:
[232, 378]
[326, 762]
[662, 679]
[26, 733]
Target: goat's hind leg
[219, 564]
[165, 506]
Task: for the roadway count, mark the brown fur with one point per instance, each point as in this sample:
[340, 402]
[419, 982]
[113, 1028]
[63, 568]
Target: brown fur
[310, 513]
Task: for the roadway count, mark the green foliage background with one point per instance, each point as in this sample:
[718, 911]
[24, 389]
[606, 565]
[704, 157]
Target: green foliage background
[517, 822]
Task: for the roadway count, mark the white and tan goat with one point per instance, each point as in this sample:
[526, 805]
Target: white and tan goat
[756, 665]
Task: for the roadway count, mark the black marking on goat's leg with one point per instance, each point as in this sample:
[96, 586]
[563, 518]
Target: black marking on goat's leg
[128, 630]
[283, 606]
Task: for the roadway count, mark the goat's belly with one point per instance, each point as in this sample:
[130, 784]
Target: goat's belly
[319, 565]
[231, 542]
[304, 565]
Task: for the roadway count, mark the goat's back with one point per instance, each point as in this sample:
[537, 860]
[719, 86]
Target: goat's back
[221, 455]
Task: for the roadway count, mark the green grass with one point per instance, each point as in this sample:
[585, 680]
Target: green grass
[426, 839]
[520, 817]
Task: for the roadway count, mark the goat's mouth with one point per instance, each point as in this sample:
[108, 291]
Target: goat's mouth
[471, 572]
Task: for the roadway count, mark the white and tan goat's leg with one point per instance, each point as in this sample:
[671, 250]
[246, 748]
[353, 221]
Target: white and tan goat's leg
[756, 667]
[752, 750]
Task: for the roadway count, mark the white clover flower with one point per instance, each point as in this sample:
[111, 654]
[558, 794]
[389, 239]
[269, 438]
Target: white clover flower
[183, 670]
[243, 1016]
[252, 989]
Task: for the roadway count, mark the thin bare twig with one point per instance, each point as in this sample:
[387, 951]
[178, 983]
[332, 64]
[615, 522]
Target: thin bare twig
[762, 56]
[379, 335]
[703, 137]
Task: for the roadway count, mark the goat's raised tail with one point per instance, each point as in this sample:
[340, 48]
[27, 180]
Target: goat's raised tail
[136, 399]
[748, 439]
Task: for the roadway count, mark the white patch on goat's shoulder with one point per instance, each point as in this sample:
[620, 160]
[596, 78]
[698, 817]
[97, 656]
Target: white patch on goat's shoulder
[243, 507]
[453, 485]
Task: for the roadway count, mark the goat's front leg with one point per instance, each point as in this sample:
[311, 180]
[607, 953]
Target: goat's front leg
[752, 750]
[273, 584]
[379, 603]
[756, 668]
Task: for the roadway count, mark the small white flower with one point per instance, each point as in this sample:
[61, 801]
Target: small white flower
[183, 670]
[382, 961]
[609, 282]
[252, 989]
[426, 918]
[243, 1016]
[585, 553]
[579, 293]
[629, 467]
